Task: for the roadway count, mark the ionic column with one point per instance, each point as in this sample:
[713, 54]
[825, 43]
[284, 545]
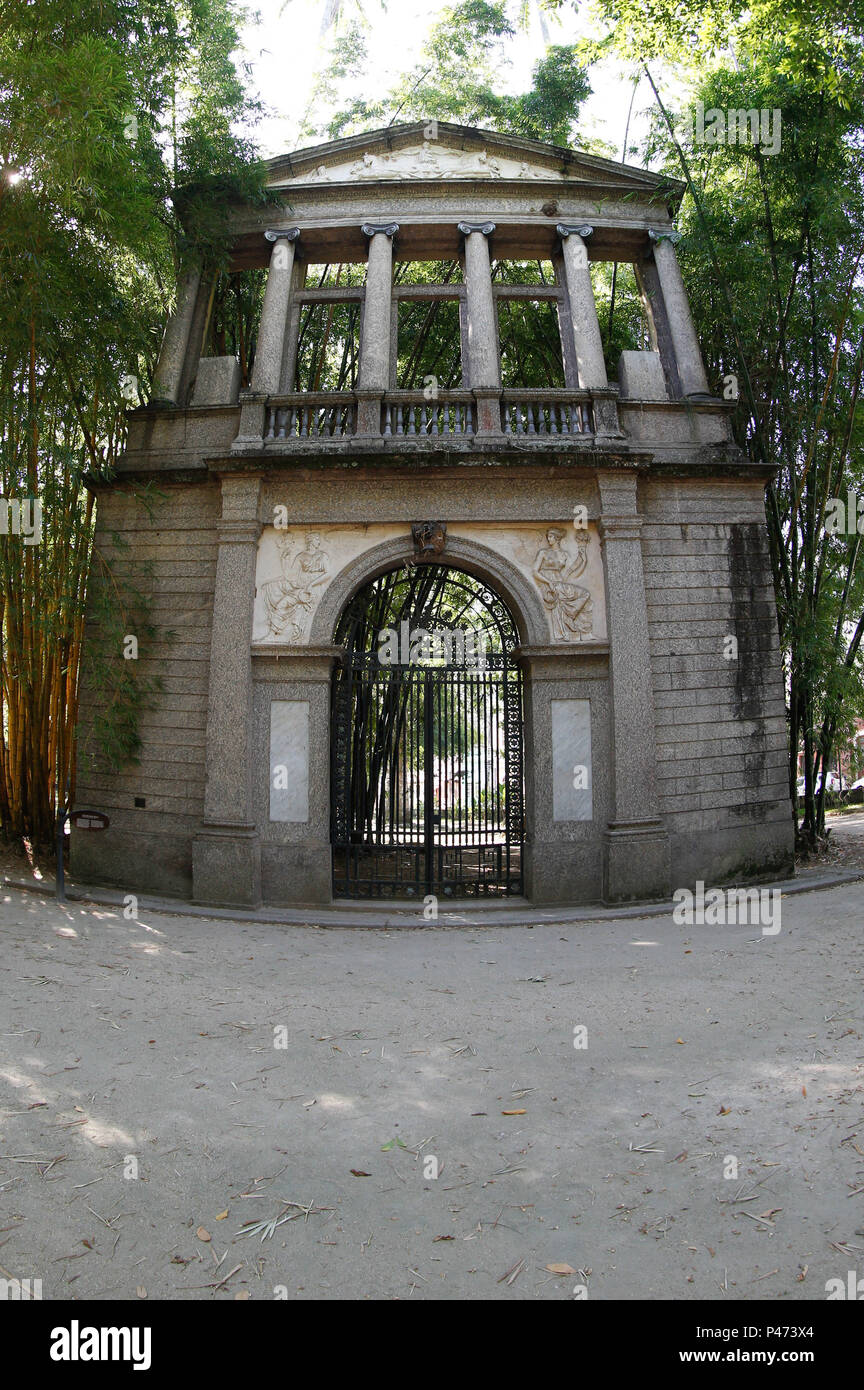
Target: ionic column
[587, 342]
[270, 347]
[227, 852]
[373, 378]
[172, 355]
[688, 354]
[636, 858]
[484, 368]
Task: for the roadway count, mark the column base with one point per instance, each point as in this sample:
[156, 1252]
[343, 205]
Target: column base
[226, 866]
[636, 862]
[487, 411]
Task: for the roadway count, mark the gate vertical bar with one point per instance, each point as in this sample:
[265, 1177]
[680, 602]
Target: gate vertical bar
[429, 778]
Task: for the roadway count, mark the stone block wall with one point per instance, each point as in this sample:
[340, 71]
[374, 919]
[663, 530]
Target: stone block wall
[720, 720]
[171, 559]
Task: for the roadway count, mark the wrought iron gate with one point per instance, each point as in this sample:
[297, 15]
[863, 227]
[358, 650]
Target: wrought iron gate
[426, 779]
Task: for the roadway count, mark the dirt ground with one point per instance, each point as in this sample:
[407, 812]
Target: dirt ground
[250, 1072]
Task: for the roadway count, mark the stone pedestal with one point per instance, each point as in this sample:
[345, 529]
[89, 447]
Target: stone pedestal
[636, 843]
[217, 381]
[226, 855]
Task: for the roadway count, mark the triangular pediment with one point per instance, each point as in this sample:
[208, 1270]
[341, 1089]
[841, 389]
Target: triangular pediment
[441, 152]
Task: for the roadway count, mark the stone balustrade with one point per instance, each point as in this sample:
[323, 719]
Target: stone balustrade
[311, 415]
[546, 412]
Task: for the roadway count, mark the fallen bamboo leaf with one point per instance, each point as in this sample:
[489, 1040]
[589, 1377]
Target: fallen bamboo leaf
[512, 1273]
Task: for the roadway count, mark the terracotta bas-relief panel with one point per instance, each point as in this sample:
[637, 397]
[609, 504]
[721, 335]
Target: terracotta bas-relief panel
[297, 563]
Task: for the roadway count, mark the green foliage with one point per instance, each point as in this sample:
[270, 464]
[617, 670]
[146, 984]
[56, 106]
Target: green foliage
[117, 121]
[772, 255]
[456, 79]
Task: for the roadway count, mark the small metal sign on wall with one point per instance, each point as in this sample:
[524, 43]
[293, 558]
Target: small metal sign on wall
[89, 820]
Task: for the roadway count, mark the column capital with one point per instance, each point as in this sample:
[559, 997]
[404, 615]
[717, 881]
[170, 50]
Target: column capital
[388, 229]
[233, 531]
[664, 234]
[565, 229]
[487, 228]
[620, 528]
[282, 234]
[618, 495]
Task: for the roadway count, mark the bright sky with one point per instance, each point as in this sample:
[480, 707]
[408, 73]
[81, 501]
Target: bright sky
[286, 52]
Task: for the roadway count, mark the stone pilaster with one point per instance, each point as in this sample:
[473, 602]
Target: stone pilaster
[636, 859]
[373, 377]
[270, 347]
[688, 354]
[226, 854]
[484, 369]
[168, 377]
[296, 854]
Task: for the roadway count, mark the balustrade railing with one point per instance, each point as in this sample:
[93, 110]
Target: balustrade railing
[311, 415]
[412, 413]
[323, 415]
[546, 412]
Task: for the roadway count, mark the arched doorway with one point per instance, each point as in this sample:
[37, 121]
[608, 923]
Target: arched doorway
[427, 740]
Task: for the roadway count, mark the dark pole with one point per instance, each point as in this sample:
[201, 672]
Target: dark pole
[60, 879]
[429, 777]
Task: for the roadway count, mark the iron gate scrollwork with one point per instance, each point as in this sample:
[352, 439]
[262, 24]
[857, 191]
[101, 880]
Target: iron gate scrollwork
[427, 740]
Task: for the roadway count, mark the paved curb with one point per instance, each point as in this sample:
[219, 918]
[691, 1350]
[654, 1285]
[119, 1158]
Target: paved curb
[375, 916]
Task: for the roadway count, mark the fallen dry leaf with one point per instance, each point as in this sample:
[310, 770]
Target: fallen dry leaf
[242, 1296]
[679, 1040]
[514, 1112]
[561, 1269]
[222, 1215]
[141, 1291]
[725, 1110]
[202, 1234]
[358, 1173]
[437, 1238]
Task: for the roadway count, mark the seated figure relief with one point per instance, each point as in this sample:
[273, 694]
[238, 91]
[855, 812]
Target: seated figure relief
[570, 606]
[288, 600]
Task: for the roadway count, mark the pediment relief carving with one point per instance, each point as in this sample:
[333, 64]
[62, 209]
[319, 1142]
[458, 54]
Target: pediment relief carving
[429, 160]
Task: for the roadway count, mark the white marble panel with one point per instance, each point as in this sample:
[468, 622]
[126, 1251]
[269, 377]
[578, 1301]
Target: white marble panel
[571, 760]
[289, 760]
